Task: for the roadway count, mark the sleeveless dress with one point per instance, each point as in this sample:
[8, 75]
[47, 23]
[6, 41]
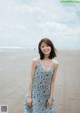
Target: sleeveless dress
[40, 91]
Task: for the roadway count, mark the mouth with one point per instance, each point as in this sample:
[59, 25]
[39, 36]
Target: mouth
[46, 50]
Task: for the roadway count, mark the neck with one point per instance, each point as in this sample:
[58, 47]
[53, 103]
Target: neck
[46, 57]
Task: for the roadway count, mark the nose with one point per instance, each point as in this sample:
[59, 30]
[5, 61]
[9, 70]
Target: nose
[45, 47]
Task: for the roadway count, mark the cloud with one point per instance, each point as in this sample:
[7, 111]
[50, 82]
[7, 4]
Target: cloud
[28, 8]
[20, 21]
[60, 28]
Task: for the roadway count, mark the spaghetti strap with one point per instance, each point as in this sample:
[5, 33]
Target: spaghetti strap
[37, 62]
[40, 64]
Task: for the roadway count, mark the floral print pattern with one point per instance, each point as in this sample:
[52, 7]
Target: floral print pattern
[40, 91]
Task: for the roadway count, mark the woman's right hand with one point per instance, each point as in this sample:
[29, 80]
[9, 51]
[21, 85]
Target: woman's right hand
[29, 101]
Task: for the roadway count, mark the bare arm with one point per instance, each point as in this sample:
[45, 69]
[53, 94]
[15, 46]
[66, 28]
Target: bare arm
[53, 80]
[32, 76]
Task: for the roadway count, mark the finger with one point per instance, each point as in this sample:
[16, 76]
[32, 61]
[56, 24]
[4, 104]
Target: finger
[29, 105]
[47, 104]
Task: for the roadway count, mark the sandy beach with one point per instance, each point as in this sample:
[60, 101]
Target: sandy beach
[15, 67]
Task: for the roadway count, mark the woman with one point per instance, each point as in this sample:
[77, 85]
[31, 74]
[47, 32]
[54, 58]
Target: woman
[39, 98]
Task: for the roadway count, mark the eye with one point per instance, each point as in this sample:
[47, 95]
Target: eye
[47, 46]
[42, 46]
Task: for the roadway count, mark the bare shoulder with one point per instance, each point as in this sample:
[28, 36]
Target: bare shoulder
[55, 62]
[35, 60]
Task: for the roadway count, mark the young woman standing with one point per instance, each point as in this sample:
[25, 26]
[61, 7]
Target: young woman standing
[40, 98]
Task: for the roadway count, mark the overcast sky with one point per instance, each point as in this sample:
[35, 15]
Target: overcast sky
[24, 22]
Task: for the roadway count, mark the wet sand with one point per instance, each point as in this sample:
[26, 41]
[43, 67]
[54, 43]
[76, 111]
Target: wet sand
[15, 70]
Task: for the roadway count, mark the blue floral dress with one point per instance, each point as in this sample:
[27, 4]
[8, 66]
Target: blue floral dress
[40, 91]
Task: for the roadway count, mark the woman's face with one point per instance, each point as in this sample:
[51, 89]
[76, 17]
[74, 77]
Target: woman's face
[46, 49]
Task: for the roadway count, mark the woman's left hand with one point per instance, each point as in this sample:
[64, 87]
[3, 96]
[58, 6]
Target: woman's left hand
[49, 102]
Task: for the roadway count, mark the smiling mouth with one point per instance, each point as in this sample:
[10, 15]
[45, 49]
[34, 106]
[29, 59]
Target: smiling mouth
[46, 50]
